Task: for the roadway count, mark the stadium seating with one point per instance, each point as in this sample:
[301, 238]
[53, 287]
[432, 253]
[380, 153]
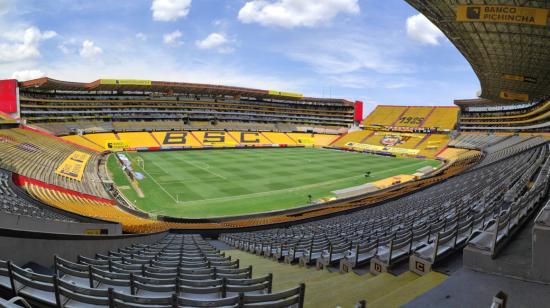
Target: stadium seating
[36, 155]
[432, 145]
[475, 141]
[321, 140]
[177, 271]
[318, 140]
[134, 126]
[12, 203]
[428, 145]
[496, 147]
[419, 131]
[428, 224]
[523, 117]
[93, 208]
[278, 138]
[442, 118]
[252, 138]
[356, 136]
[414, 117]
[175, 139]
[138, 139]
[208, 111]
[37, 161]
[83, 141]
[385, 115]
[519, 205]
[199, 139]
[331, 289]
[453, 154]
[505, 118]
[90, 127]
[101, 139]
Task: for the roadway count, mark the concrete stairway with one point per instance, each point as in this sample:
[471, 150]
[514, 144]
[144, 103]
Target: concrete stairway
[326, 289]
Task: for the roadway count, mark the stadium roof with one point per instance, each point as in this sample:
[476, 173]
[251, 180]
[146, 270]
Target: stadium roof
[474, 102]
[48, 84]
[507, 42]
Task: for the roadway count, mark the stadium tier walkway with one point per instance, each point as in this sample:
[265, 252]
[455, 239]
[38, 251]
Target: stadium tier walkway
[326, 289]
[467, 288]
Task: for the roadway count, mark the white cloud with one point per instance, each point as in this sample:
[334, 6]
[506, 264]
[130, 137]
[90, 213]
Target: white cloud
[295, 13]
[158, 65]
[170, 10]
[89, 50]
[27, 75]
[141, 36]
[22, 45]
[421, 29]
[353, 52]
[172, 38]
[70, 46]
[214, 40]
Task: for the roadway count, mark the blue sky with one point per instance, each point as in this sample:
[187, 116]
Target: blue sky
[381, 52]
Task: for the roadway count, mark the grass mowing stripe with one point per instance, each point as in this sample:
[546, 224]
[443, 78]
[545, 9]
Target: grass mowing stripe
[269, 179]
[206, 168]
[267, 193]
[158, 184]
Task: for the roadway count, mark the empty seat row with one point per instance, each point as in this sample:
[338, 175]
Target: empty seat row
[429, 224]
[12, 203]
[177, 271]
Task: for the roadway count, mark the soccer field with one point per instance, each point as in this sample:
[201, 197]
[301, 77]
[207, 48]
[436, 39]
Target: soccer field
[215, 183]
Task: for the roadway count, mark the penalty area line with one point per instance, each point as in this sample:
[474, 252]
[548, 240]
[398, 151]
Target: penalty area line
[158, 184]
[203, 168]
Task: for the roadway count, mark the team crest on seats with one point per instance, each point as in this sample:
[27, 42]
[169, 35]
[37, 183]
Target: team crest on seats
[390, 140]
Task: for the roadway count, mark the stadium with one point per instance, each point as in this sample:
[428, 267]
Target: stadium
[150, 193]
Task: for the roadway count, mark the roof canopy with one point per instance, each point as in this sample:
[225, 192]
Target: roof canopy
[507, 42]
[48, 84]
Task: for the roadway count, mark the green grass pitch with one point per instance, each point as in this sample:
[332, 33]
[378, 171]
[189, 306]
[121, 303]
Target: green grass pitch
[215, 183]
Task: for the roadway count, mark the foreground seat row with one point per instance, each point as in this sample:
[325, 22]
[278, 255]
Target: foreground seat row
[178, 271]
[480, 207]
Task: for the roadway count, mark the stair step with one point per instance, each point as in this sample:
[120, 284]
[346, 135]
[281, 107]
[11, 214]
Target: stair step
[326, 289]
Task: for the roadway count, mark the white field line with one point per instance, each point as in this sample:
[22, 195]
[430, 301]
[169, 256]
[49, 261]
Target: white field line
[207, 168]
[183, 180]
[159, 185]
[292, 189]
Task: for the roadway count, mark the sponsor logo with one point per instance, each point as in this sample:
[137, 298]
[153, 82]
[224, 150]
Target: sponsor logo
[514, 96]
[116, 145]
[133, 82]
[520, 78]
[473, 12]
[502, 14]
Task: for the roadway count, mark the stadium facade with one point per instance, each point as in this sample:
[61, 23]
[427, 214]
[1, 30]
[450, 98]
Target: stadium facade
[106, 100]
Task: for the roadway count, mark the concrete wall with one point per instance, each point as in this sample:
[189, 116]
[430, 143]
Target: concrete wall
[22, 247]
[17, 222]
[541, 252]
